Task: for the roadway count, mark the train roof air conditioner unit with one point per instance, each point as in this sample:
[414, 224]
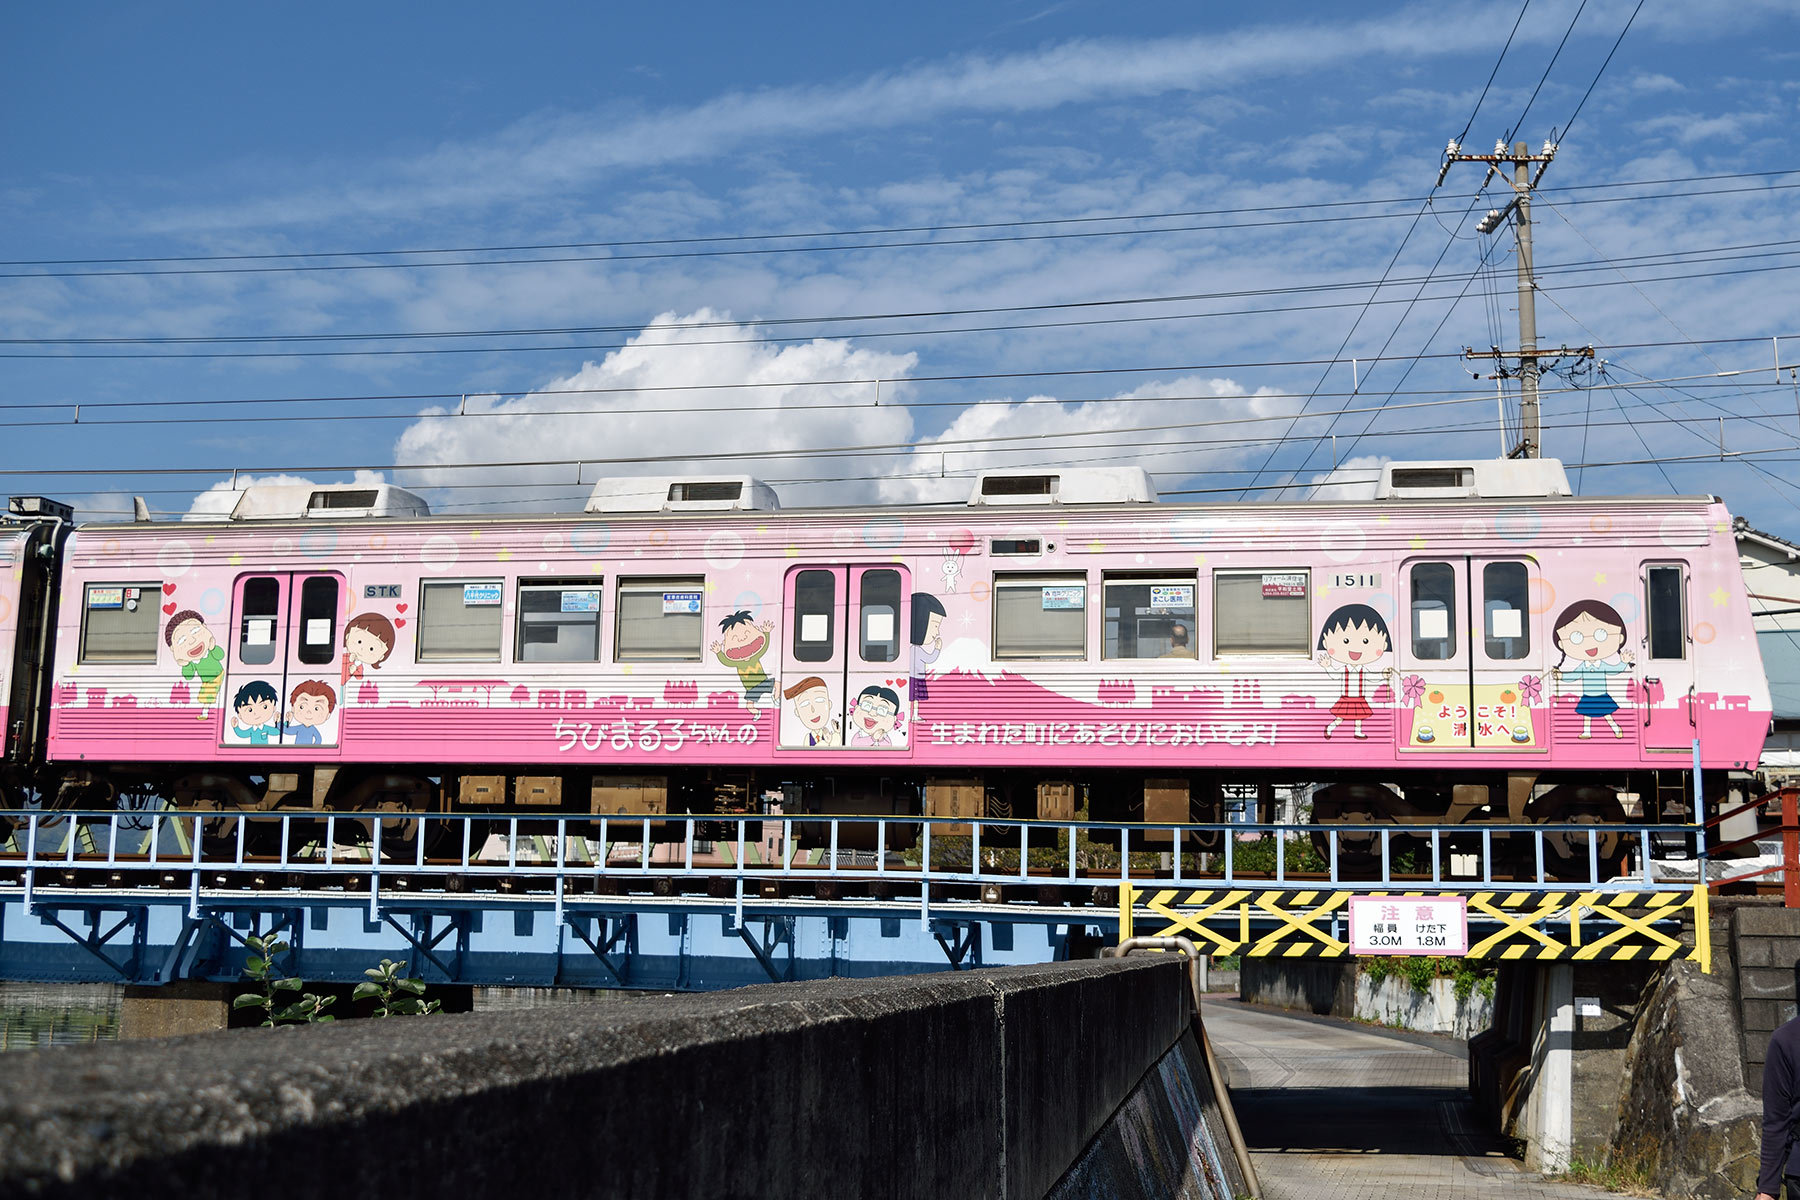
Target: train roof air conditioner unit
[682, 493]
[1067, 485]
[307, 501]
[1481, 479]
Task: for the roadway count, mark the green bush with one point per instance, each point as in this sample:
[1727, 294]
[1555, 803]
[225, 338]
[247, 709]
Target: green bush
[1469, 975]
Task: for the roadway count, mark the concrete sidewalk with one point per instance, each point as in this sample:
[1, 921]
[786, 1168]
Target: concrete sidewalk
[1331, 1111]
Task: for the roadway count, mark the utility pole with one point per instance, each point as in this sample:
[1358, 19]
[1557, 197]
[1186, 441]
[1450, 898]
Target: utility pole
[1523, 181]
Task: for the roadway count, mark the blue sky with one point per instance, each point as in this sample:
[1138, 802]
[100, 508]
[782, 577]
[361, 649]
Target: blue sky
[270, 131]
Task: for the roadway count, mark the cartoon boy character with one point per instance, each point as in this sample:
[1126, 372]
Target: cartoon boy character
[368, 640]
[876, 718]
[927, 639]
[740, 646]
[256, 713]
[201, 657]
[309, 707]
[1355, 638]
[812, 704]
[1593, 634]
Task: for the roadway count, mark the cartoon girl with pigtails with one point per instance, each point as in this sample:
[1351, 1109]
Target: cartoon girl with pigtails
[1354, 638]
[1593, 634]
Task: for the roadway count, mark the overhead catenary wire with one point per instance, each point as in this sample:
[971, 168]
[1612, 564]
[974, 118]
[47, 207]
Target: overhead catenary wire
[286, 267]
[1656, 259]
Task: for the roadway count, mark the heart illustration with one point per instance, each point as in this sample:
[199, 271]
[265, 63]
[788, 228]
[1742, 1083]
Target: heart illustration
[899, 683]
[168, 589]
[399, 608]
[399, 622]
[169, 608]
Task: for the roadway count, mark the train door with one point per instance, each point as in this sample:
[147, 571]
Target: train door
[1666, 660]
[843, 684]
[1508, 698]
[1433, 655]
[1470, 656]
[282, 685]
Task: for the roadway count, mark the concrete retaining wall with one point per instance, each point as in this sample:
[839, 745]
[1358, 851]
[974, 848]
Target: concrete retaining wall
[1167, 1141]
[1394, 1001]
[985, 1083]
[1337, 987]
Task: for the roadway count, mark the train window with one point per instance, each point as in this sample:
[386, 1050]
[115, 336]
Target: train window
[1149, 617]
[815, 616]
[459, 620]
[879, 620]
[1262, 612]
[1505, 603]
[559, 621]
[318, 619]
[120, 623]
[1040, 616]
[659, 620]
[1665, 590]
[1433, 611]
[260, 612]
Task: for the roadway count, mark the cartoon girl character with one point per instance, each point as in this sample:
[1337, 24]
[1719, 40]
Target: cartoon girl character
[368, 640]
[1354, 637]
[927, 640]
[875, 721]
[201, 657]
[1593, 634]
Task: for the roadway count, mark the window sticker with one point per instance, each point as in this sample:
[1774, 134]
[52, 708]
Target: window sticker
[106, 597]
[680, 602]
[481, 595]
[1507, 623]
[814, 627]
[1180, 595]
[1434, 623]
[878, 627]
[1063, 597]
[259, 631]
[318, 631]
[1279, 587]
[580, 602]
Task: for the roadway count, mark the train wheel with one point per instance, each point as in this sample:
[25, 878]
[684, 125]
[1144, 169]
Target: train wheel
[1358, 851]
[1566, 854]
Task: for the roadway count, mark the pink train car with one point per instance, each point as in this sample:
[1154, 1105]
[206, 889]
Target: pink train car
[1474, 644]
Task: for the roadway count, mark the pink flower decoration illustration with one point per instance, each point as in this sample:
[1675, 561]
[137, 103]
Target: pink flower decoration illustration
[1411, 689]
[1531, 689]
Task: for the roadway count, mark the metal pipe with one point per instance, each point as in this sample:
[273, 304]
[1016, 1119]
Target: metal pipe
[1239, 1148]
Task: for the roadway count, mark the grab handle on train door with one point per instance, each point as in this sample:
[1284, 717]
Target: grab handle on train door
[1652, 693]
[1692, 723]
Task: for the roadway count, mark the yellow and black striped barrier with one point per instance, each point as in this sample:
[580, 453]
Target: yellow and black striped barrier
[1504, 926]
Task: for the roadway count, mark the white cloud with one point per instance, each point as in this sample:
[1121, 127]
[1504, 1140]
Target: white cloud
[217, 499]
[656, 411]
[1352, 479]
[1169, 427]
[556, 153]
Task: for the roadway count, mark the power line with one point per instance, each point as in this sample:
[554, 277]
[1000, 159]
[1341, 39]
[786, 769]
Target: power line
[870, 334]
[1054, 440]
[739, 385]
[291, 267]
[1570, 123]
